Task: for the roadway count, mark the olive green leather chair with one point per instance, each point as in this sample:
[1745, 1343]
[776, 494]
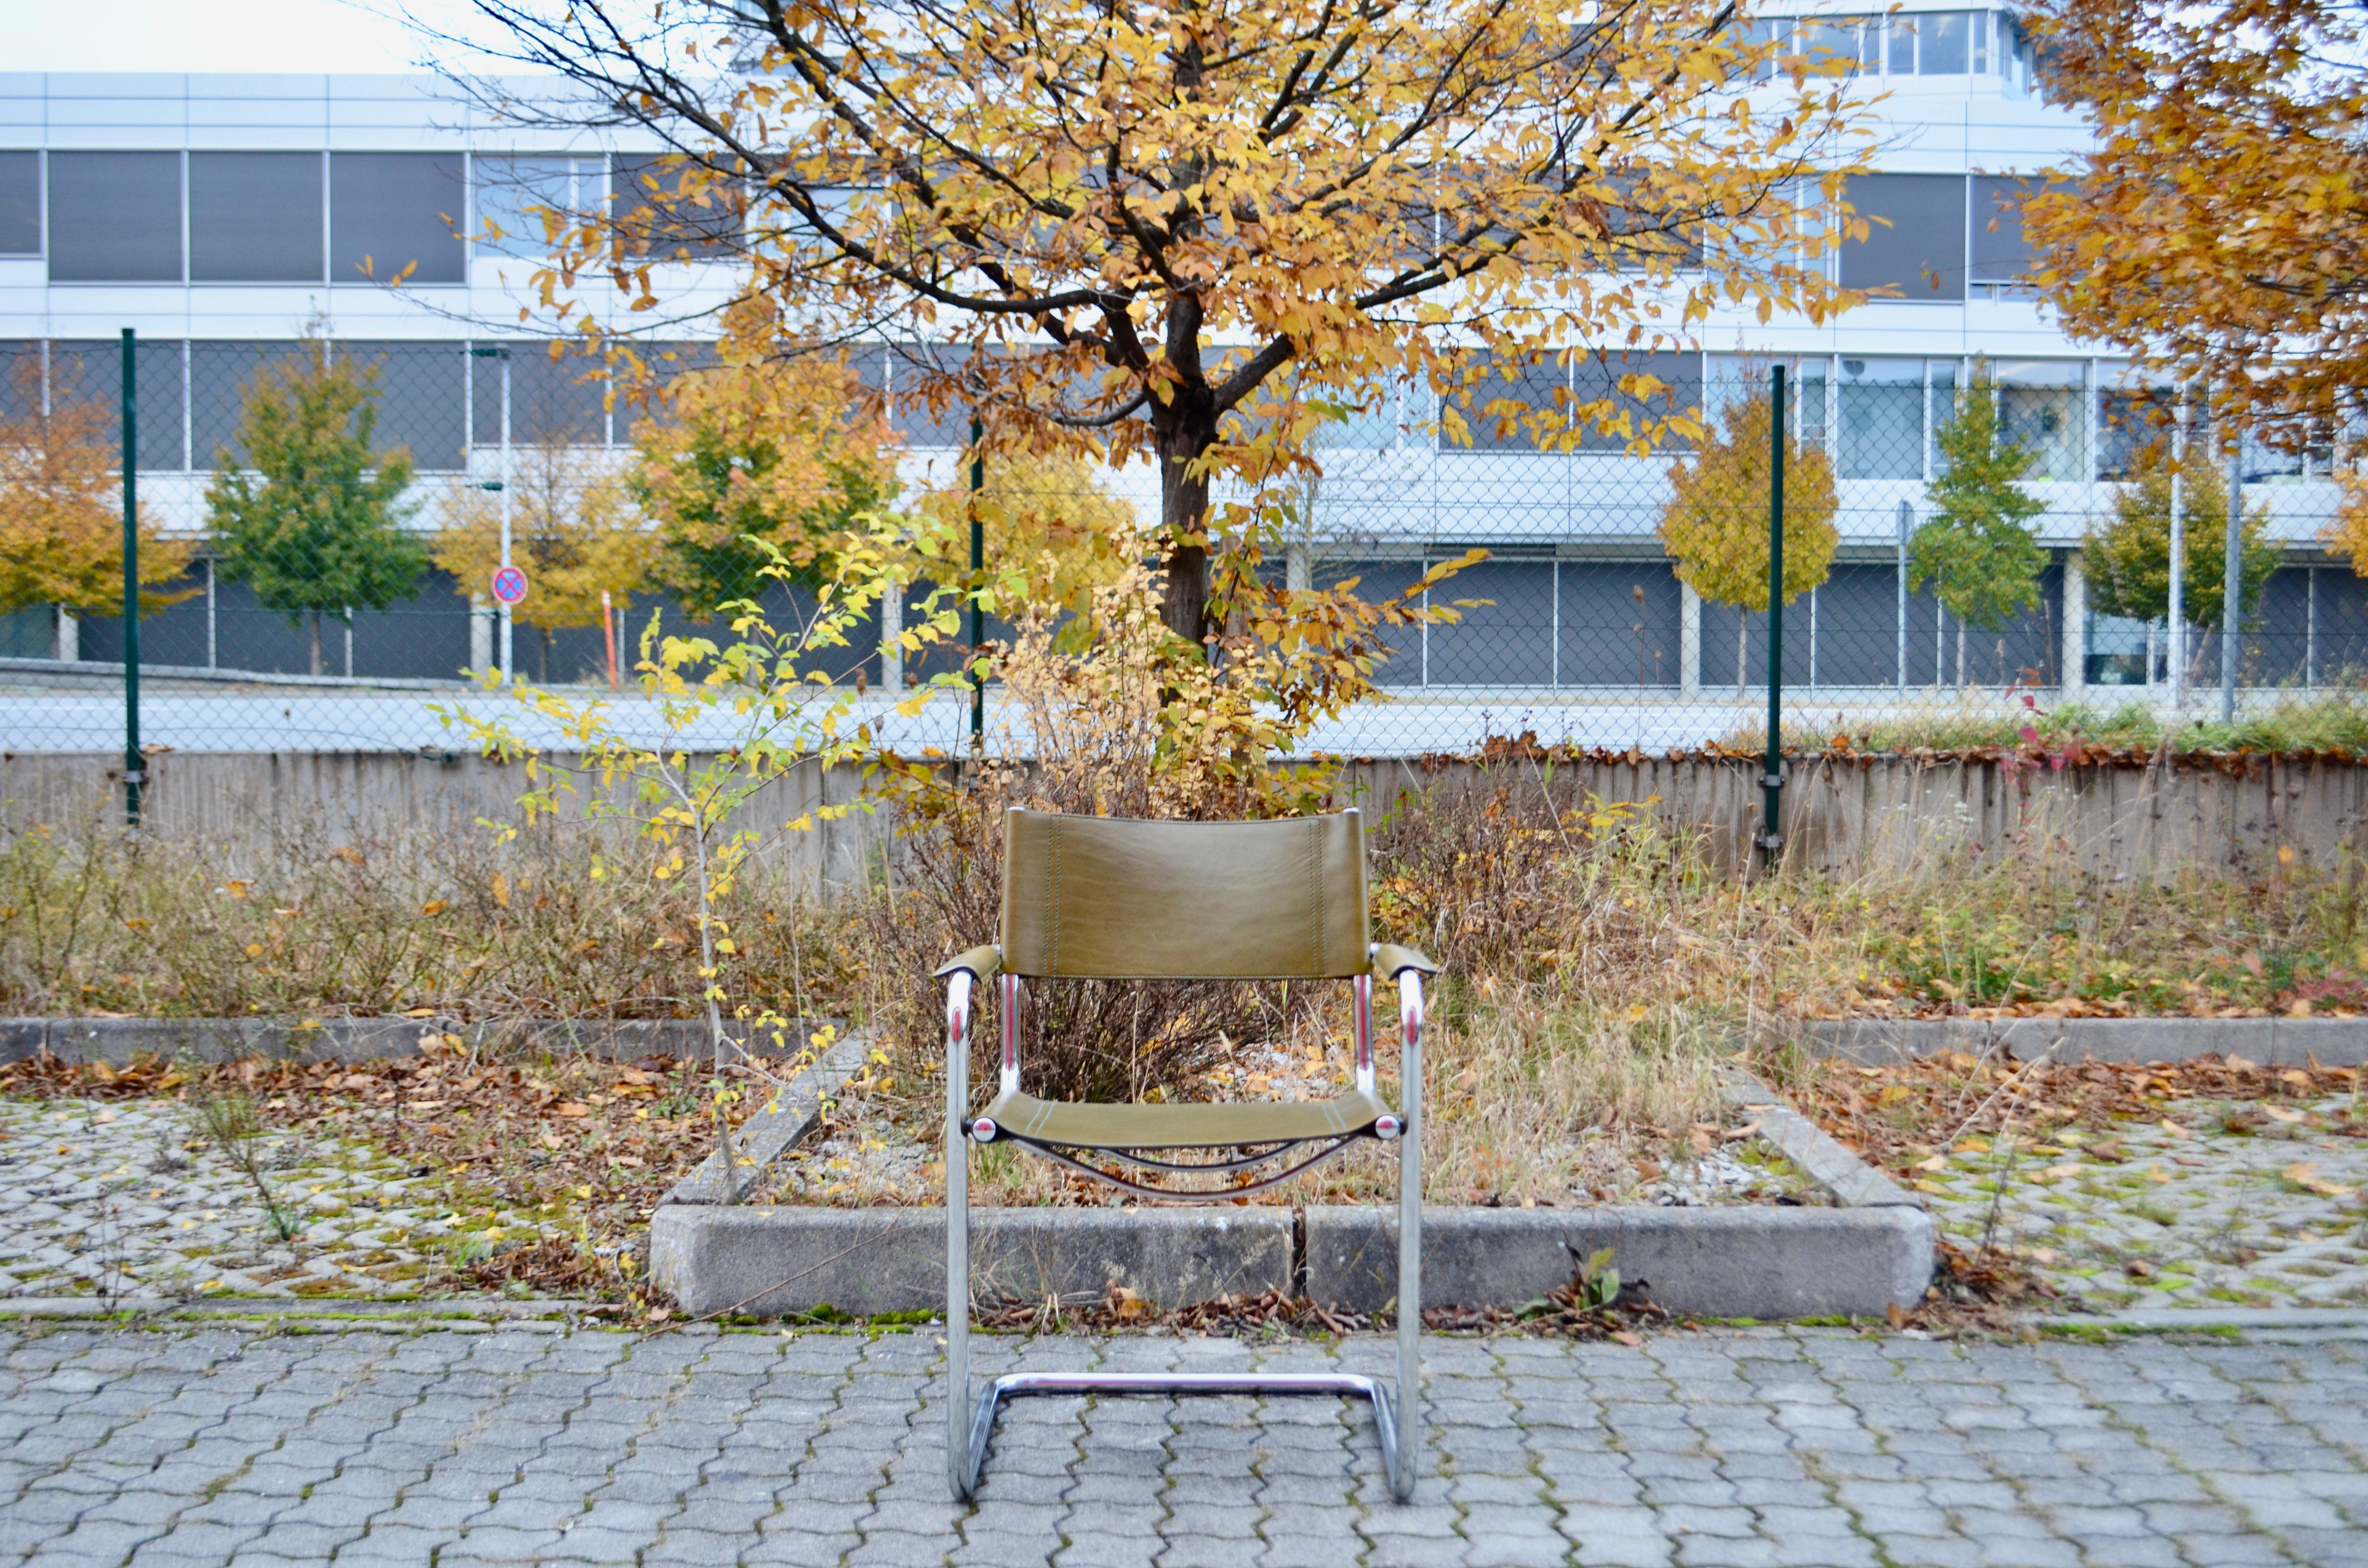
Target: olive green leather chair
[1107, 898]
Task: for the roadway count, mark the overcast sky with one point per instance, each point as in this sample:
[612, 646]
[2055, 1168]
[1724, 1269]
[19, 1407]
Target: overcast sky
[222, 35]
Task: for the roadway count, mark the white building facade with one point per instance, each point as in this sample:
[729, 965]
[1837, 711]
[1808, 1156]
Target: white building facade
[224, 217]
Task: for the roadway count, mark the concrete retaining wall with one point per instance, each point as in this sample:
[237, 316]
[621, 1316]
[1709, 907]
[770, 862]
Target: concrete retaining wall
[773, 1261]
[1743, 1262]
[1842, 815]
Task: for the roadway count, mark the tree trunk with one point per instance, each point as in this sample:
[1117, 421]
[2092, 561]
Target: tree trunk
[316, 641]
[1742, 645]
[1186, 428]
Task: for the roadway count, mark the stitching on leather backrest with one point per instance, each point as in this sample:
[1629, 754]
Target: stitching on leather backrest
[1053, 899]
[1316, 888]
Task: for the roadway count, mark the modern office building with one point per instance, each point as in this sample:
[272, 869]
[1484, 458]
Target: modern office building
[224, 217]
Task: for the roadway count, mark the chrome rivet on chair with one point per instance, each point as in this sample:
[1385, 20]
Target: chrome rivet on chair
[1107, 898]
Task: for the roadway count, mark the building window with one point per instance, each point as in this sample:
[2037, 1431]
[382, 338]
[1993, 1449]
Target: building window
[519, 199]
[1858, 41]
[2039, 408]
[420, 391]
[255, 218]
[554, 401]
[92, 372]
[1919, 251]
[21, 204]
[659, 223]
[115, 217]
[1882, 418]
[393, 210]
[1620, 415]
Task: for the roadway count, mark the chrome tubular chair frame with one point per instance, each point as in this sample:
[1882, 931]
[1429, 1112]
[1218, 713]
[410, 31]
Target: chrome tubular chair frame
[970, 1421]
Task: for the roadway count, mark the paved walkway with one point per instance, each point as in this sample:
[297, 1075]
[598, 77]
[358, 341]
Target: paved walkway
[1822, 1448]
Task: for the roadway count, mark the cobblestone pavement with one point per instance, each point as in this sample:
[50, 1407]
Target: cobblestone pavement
[2244, 1202]
[123, 1198]
[528, 1443]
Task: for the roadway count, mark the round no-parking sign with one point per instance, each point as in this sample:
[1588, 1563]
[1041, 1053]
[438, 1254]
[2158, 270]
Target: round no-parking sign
[509, 585]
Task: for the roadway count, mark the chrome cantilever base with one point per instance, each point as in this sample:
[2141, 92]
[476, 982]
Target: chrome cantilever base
[1014, 1385]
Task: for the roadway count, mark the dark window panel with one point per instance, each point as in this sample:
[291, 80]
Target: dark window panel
[2276, 647]
[1921, 252]
[20, 379]
[390, 211]
[221, 376]
[1857, 627]
[563, 399]
[660, 223]
[2002, 252]
[92, 371]
[115, 217]
[1508, 641]
[255, 217]
[29, 633]
[1596, 379]
[1376, 581]
[21, 204]
[1610, 636]
[1540, 382]
[2342, 627]
[421, 391]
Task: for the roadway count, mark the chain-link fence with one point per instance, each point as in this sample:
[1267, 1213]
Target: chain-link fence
[1615, 609]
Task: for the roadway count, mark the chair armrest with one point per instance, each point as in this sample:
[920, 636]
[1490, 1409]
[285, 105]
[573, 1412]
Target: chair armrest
[1390, 960]
[981, 963]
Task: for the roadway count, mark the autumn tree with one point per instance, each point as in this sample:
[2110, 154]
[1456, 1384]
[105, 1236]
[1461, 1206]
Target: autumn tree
[572, 529]
[308, 511]
[2219, 227]
[1976, 549]
[1110, 225]
[2128, 559]
[62, 513]
[785, 451]
[1715, 524]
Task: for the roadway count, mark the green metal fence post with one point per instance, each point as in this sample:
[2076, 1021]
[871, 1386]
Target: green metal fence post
[978, 567]
[1771, 779]
[134, 774]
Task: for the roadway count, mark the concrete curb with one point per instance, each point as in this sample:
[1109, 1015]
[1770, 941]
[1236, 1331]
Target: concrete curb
[116, 1040]
[787, 1117]
[1842, 1176]
[773, 1261]
[1755, 1261]
[2270, 1042]
[1760, 1261]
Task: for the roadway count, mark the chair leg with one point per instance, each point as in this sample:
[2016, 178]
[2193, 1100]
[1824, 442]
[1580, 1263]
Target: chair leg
[961, 1466]
[1409, 1389]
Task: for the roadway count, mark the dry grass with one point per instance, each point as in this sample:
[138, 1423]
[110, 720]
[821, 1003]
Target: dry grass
[97, 920]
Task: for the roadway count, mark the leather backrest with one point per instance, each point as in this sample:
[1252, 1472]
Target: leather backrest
[1119, 898]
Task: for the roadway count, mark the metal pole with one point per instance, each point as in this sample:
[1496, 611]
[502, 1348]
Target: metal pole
[1771, 779]
[134, 773]
[2176, 609]
[1906, 519]
[506, 667]
[978, 567]
[2232, 576]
